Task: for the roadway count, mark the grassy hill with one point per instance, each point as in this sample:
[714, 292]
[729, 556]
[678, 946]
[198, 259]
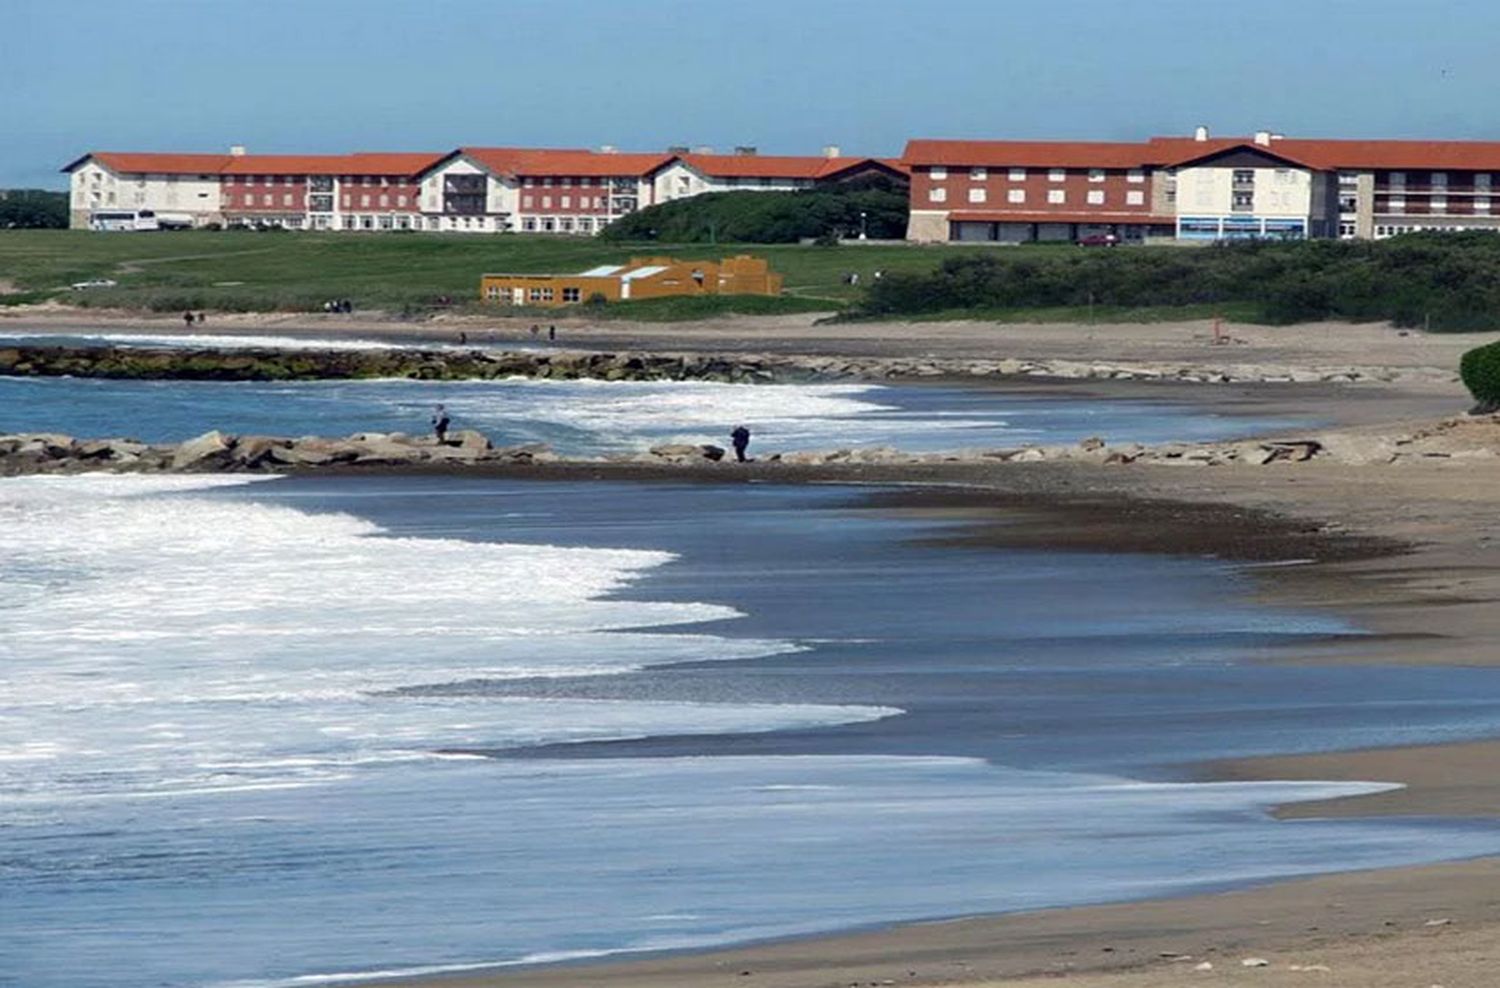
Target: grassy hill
[244, 271]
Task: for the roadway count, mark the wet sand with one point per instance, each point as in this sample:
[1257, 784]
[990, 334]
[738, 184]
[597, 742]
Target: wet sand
[1407, 551]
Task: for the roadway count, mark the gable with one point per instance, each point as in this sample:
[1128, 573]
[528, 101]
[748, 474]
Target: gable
[1244, 156]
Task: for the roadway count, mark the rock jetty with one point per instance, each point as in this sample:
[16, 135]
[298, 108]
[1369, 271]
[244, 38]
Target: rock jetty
[1458, 438]
[266, 364]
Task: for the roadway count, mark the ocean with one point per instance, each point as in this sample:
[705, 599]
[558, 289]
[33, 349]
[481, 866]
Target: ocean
[292, 730]
[283, 731]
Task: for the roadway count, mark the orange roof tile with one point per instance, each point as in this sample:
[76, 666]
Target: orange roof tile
[1025, 154]
[565, 161]
[165, 163]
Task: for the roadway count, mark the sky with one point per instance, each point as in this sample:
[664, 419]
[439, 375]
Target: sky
[786, 76]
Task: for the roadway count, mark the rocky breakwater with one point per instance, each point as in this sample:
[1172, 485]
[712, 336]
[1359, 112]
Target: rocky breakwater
[267, 364]
[220, 452]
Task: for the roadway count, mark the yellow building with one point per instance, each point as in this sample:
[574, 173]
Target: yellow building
[643, 277]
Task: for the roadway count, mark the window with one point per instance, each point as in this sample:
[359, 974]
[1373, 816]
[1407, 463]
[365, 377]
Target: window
[1096, 174]
[585, 225]
[364, 199]
[349, 222]
[1135, 197]
[401, 200]
[529, 224]
[566, 202]
[386, 223]
[267, 199]
[1057, 196]
[1135, 175]
[572, 294]
[938, 195]
[1056, 174]
[547, 182]
[1439, 180]
[565, 224]
[385, 201]
[549, 225]
[367, 222]
[979, 174]
[546, 202]
[346, 200]
[938, 173]
[368, 180]
[1439, 203]
[1244, 176]
[530, 182]
[1015, 195]
[286, 198]
[1096, 197]
[1397, 178]
[976, 195]
[1481, 205]
[1244, 200]
[585, 181]
[1018, 174]
[1481, 180]
[1398, 204]
[565, 182]
[527, 201]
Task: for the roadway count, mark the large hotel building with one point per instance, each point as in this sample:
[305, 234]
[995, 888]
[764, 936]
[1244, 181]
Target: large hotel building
[1199, 188]
[1187, 188]
[470, 190]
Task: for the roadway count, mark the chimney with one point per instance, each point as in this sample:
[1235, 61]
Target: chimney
[703, 149]
[1263, 138]
[678, 149]
[608, 149]
[746, 150]
[1200, 133]
[1277, 137]
[832, 151]
[236, 150]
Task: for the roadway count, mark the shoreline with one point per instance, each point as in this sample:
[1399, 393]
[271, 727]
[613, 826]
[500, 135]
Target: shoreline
[1424, 584]
[1068, 507]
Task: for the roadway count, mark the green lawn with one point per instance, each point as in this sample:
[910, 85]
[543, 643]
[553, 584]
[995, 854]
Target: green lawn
[298, 271]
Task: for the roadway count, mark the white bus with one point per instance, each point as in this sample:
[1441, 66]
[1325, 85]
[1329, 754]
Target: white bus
[138, 220]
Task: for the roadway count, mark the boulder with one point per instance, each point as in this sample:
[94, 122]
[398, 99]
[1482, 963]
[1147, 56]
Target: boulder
[711, 452]
[210, 449]
[118, 450]
[675, 451]
[253, 451]
[310, 451]
[468, 439]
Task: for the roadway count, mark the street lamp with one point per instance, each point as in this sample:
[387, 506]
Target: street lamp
[862, 225]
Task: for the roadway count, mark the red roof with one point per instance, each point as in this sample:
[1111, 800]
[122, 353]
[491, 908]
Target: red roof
[1025, 154]
[564, 161]
[1333, 154]
[360, 163]
[136, 162]
[1099, 218]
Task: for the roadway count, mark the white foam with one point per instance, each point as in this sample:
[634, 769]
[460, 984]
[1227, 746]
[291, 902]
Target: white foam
[159, 639]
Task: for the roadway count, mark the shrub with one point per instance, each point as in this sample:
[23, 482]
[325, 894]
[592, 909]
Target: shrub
[772, 217]
[1480, 370]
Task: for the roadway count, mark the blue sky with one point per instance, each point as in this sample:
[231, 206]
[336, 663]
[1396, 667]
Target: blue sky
[785, 75]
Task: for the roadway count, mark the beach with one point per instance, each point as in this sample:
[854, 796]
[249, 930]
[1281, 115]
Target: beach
[1404, 551]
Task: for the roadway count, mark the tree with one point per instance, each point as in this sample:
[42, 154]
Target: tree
[33, 209]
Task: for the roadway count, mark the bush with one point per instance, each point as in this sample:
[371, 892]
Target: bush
[1480, 370]
[1443, 282]
[825, 213]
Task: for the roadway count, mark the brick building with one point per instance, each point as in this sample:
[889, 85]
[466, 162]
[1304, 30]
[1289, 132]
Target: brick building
[1199, 188]
[469, 190]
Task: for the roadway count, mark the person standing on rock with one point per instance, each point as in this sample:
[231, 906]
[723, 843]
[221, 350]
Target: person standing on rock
[552, 333]
[187, 319]
[740, 437]
[440, 423]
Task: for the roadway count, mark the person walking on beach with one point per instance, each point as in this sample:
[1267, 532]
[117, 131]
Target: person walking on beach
[187, 319]
[535, 329]
[552, 333]
[740, 437]
[440, 423]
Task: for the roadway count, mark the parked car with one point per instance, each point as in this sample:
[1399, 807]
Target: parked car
[79, 286]
[1099, 240]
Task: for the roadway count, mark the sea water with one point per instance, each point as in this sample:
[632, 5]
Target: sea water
[261, 732]
[592, 417]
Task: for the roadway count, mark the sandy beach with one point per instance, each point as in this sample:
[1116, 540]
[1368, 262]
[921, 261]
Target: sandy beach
[1407, 551]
